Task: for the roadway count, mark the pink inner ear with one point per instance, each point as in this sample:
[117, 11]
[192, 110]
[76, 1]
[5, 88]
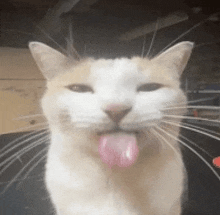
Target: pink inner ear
[118, 149]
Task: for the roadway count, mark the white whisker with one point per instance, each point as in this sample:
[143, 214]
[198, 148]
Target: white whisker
[192, 129]
[202, 129]
[24, 168]
[180, 36]
[206, 44]
[19, 144]
[190, 141]
[20, 179]
[21, 152]
[18, 31]
[33, 135]
[201, 100]
[194, 151]
[19, 138]
[70, 48]
[189, 117]
[35, 165]
[143, 48]
[153, 38]
[28, 116]
[193, 101]
[194, 144]
[178, 155]
[25, 128]
[49, 37]
[186, 32]
[193, 106]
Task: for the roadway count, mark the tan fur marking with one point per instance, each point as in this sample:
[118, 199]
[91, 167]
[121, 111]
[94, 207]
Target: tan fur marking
[156, 73]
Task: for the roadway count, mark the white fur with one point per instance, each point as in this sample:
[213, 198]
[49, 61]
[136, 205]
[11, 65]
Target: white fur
[78, 181]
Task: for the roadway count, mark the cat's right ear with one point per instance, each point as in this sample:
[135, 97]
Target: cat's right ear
[50, 61]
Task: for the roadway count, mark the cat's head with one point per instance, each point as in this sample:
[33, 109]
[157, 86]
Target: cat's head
[105, 95]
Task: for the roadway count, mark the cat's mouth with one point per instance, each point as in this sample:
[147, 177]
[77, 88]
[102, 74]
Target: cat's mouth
[117, 130]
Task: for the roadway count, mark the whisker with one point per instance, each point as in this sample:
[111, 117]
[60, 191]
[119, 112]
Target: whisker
[28, 116]
[202, 129]
[194, 144]
[19, 138]
[46, 34]
[20, 144]
[20, 179]
[194, 106]
[190, 102]
[178, 155]
[25, 128]
[192, 129]
[181, 35]
[49, 37]
[35, 165]
[153, 38]
[143, 48]
[24, 168]
[206, 44]
[21, 152]
[193, 150]
[189, 117]
[185, 33]
[70, 48]
[18, 31]
[201, 100]
[13, 160]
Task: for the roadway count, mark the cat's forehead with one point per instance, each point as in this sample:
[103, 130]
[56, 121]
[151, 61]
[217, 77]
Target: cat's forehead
[115, 69]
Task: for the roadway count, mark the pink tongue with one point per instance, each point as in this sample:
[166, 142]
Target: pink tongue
[118, 149]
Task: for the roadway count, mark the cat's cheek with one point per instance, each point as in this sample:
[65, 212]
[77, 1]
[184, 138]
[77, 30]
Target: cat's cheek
[78, 102]
[49, 107]
[171, 97]
[147, 103]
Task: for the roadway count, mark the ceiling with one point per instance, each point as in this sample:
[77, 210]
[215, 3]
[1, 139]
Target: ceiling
[98, 25]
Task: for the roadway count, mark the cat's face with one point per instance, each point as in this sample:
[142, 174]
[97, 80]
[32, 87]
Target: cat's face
[107, 95]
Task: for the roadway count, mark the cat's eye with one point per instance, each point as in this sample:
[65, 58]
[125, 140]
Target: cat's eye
[80, 88]
[149, 87]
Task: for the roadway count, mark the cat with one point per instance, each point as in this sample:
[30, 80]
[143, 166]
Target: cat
[148, 133]
[114, 144]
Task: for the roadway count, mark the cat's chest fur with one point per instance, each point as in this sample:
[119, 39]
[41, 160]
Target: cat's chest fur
[82, 184]
[111, 151]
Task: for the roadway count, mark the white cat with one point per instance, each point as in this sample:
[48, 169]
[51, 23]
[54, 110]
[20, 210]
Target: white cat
[113, 150]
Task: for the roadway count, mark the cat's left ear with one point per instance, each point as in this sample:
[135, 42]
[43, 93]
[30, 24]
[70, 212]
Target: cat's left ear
[50, 61]
[176, 57]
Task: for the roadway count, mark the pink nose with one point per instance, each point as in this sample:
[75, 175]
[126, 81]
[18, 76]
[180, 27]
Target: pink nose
[117, 112]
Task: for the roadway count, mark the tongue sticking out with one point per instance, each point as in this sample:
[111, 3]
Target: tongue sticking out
[118, 149]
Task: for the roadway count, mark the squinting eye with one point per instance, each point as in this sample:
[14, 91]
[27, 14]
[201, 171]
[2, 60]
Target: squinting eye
[149, 87]
[80, 88]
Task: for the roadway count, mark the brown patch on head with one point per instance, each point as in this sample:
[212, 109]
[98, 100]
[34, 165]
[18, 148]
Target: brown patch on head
[75, 73]
[155, 72]
[167, 67]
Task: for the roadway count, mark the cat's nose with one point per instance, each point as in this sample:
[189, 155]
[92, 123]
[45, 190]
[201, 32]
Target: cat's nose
[117, 112]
